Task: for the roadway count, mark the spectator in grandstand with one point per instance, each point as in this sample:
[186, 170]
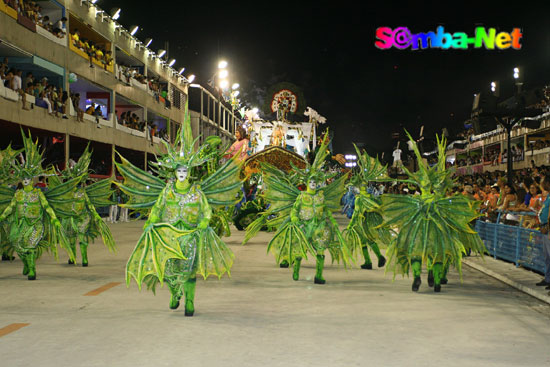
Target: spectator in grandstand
[75, 39]
[543, 218]
[98, 114]
[17, 86]
[76, 105]
[90, 110]
[29, 78]
[478, 194]
[509, 204]
[107, 60]
[4, 68]
[64, 101]
[59, 27]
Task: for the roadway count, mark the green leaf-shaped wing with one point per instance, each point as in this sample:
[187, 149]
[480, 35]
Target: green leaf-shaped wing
[214, 257]
[157, 244]
[281, 193]
[60, 195]
[289, 243]
[142, 187]
[100, 193]
[334, 191]
[6, 194]
[222, 188]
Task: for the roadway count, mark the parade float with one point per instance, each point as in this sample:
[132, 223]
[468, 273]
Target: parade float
[283, 143]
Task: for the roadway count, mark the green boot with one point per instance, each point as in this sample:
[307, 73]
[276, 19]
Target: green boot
[296, 272]
[319, 274]
[437, 270]
[444, 273]
[368, 262]
[284, 264]
[416, 266]
[25, 265]
[31, 257]
[381, 259]
[84, 253]
[189, 288]
[175, 296]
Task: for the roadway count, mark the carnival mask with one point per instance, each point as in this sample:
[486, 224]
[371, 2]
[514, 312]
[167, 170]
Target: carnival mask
[181, 173]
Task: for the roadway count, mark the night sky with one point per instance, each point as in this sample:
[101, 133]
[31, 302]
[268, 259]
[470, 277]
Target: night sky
[328, 50]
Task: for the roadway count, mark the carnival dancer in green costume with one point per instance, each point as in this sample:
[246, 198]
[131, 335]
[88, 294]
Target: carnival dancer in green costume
[364, 230]
[79, 218]
[433, 227]
[32, 222]
[7, 157]
[304, 219]
[178, 242]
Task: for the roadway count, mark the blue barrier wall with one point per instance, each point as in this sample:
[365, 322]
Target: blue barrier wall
[522, 246]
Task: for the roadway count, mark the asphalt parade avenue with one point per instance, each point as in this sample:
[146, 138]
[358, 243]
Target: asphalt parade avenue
[261, 317]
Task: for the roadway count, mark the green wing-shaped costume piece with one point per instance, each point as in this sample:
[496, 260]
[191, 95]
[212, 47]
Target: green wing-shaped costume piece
[334, 191]
[6, 194]
[289, 243]
[60, 196]
[433, 226]
[214, 257]
[142, 188]
[366, 224]
[155, 247]
[100, 193]
[281, 193]
[223, 187]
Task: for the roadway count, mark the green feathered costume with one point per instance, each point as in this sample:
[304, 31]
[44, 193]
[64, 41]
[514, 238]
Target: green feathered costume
[433, 226]
[178, 241]
[32, 216]
[79, 217]
[364, 230]
[304, 219]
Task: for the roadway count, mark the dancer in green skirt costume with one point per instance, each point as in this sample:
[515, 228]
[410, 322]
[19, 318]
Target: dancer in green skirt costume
[31, 215]
[79, 218]
[178, 242]
[364, 230]
[433, 227]
[304, 219]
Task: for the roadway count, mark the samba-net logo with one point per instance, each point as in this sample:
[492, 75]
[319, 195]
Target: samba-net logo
[402, 38]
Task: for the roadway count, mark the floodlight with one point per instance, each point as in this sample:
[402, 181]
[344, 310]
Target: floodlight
[115, 13]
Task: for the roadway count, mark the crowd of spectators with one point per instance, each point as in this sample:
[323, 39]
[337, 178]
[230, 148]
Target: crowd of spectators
[125, 73]
[46, 95]
[33, 11]
[95, 51]
[131, 120]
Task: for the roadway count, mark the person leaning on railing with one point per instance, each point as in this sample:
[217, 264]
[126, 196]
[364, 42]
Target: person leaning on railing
[543, 218]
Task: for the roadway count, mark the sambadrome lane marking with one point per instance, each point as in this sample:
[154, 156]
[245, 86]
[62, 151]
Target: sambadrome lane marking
[102, 289]
[11, 328]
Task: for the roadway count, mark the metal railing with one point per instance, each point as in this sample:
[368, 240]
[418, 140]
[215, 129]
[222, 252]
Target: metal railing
[522, 246]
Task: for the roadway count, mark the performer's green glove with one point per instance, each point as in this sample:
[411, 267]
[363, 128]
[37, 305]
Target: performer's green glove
[56, 223]
[203, 224]
[293, 219]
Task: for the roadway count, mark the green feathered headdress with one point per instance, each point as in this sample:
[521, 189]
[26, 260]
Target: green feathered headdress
[80, 169]
[182, 153]
[368, 169]
[7, 156]
[314, 171]
[435, 178]
[31, 167]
